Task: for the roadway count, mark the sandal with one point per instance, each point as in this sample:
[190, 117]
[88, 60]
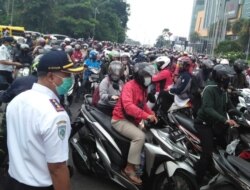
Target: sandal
[131, 176]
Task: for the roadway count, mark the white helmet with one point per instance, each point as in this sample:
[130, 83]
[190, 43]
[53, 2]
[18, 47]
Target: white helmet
[162, 62]
[224, 62]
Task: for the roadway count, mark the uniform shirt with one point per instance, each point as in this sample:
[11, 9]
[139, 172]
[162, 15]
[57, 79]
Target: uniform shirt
[38, 132]
[5, 56]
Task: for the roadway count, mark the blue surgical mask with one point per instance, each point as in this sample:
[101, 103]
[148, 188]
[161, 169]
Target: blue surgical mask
[147, 81]
[65, 86]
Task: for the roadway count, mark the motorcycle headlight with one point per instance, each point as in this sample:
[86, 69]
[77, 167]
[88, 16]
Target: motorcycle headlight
[26, 72]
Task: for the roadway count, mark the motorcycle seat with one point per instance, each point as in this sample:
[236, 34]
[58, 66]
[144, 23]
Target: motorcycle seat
[88, 99]
[242, 165]
[186, 122]
[245, 138]
[105, 121]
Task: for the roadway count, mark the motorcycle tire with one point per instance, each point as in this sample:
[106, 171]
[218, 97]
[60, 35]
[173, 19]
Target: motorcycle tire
[79, 163]
[181, 180]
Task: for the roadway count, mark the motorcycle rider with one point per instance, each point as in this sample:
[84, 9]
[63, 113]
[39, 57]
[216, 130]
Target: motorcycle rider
[181, 88]
[239, 80]
[212, 118]
[24, 56]
[41, 42]
[163, 80]
[200, 79]
[110, 87]
[91, 62]
[129, 111]
[125, 59]
[77, 54]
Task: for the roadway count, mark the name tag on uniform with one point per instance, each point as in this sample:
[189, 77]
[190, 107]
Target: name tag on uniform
[58, 107]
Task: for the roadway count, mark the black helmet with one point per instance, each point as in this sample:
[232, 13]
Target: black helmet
[115, 70]
[240, 65]
[222, 74]
[141, 71]
[206, 64]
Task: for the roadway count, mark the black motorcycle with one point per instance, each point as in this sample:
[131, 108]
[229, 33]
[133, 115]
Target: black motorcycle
[100, 150]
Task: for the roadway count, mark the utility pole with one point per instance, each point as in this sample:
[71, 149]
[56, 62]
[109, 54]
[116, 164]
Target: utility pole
[247, 52]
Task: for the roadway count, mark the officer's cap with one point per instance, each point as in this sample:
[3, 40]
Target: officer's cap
[57, 61]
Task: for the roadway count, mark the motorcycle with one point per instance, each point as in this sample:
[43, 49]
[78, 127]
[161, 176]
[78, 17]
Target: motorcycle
[234, 173]
[97, 148]
[25, 70]
[94, 78]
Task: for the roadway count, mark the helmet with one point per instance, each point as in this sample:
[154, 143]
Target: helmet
[68, 49]
[240, 65]
[93, 54]
[77, 47]
[115, 70]
[184, 64]
[143, 70]
[85, 46]
[24, 47]
[115, 55]
[162, 62]
[222, 74]
[41, 41]
[125, 56]
[67, 40]
[224, 61]
[206, 64]
[35, 64]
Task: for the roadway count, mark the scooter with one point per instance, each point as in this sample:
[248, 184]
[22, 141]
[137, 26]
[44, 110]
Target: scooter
[100, 150]
[234, 173]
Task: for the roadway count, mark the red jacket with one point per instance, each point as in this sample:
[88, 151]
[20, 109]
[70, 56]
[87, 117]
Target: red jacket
[77, 55]
[132, 101]
[164, 74]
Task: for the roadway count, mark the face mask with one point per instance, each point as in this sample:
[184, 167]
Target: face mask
[225, 83]
[65, 86]
[147, 81]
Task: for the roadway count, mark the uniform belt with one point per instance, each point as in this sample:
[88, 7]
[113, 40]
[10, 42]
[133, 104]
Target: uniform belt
[13, 184]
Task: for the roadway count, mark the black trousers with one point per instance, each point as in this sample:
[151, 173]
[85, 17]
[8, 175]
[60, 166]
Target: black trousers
[6, 76]
[209, 139]
[12, 184]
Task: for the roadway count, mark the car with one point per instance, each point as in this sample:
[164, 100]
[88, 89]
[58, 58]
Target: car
[34, 33]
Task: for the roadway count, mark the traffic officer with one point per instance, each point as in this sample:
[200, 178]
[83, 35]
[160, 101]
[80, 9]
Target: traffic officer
[38, 129]
[6, 64]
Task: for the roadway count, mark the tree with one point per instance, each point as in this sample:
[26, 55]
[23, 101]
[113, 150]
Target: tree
[194, 37]
[228, 46]
[76, 18]
[161, 42]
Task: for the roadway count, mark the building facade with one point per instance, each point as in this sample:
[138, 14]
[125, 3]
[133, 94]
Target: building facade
[246, 9]
[197, 7]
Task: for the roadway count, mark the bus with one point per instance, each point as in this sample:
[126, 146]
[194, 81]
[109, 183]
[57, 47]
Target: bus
[14, 31]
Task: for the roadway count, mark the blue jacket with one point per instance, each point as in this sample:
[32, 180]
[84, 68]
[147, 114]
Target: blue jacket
[91, 64]
[18, 86]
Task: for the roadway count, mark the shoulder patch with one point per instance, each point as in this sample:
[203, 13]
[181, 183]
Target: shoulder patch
[58, 107]
[61, 125]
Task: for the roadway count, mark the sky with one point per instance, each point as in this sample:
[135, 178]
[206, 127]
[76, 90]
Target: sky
[148, 18]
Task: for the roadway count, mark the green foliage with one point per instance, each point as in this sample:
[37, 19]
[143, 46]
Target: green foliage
[103, 19]
[161, 42]
[228, 46]
[230, 50]
[232, 56]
